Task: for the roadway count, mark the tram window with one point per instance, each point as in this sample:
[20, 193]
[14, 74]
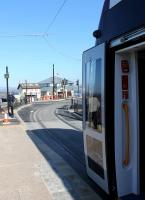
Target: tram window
[93, 95]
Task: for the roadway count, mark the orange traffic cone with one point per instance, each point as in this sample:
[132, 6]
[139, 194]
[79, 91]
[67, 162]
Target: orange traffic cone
[5, 120]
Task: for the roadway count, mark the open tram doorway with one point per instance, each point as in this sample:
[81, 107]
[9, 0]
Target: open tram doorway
[129, 120]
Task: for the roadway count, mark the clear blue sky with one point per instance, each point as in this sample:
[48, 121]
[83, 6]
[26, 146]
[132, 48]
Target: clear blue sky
[31, 58]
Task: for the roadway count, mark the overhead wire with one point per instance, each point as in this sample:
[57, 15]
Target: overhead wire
[59, 52]
[49, 26]
[38, 34]
[24, 35]
[45, 34]
[55, 16]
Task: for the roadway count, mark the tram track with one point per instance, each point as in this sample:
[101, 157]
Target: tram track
[35, 116]
[59, 136]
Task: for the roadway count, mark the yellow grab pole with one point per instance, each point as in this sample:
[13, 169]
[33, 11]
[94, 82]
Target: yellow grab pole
[127, 135]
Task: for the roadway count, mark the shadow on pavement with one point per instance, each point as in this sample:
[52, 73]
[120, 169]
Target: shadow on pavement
[68, 144]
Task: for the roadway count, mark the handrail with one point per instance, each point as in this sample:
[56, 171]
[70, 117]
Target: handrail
[127, 135]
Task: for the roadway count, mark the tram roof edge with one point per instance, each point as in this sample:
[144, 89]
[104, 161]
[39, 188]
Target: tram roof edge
[119, 18]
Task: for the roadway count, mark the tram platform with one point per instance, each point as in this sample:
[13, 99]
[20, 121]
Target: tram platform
[5, 119]
[25, 172]
[19, 166]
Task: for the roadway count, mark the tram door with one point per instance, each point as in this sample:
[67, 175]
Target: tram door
[129, 120]
[94, 115]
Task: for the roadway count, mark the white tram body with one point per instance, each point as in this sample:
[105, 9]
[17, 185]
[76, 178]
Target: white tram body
[114, 100]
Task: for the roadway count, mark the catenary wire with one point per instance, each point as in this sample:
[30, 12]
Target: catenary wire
[59, 52]
[56, 15]
[25, 35]
[38, 34]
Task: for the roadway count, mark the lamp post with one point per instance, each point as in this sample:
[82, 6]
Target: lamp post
[6, 76]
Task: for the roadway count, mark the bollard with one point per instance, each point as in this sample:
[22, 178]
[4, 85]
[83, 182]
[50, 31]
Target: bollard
[5, 120]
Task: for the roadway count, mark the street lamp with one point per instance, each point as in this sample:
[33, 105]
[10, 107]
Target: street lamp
[6, 76]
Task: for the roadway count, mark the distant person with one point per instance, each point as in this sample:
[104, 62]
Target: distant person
[11, 100]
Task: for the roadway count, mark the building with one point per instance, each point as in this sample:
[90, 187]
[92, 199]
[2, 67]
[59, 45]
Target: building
[29, 91]
[63, 88]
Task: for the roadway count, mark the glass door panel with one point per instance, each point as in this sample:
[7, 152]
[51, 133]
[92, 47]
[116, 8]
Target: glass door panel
[94, 114]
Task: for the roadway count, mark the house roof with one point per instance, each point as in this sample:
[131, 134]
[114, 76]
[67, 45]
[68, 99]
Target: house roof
[29, 86]
[67, 87]
[56, 80]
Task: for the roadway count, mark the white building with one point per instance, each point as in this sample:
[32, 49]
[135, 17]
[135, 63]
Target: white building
[31, 91]
[63, 88]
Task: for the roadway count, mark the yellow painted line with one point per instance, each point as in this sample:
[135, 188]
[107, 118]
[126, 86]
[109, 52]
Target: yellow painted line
[11, 126]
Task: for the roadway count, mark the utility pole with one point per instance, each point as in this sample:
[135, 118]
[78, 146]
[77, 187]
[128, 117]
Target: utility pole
[26, 90]
[53, 81]
[7, 84]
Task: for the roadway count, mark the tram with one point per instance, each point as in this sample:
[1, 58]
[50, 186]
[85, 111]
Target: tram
[114, 101]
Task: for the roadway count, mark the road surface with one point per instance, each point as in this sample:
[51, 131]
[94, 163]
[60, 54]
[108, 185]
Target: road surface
[42, 121]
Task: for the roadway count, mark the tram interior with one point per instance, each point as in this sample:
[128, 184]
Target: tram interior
[129, 123]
